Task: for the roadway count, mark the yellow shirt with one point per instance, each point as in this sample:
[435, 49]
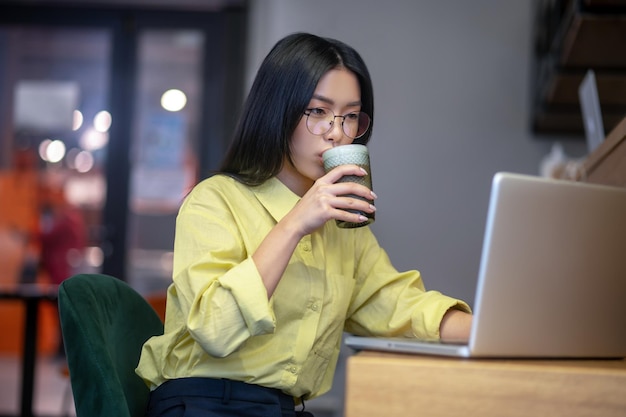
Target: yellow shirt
[219, 322]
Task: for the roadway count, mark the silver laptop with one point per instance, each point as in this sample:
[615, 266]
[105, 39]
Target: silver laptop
[552, 279]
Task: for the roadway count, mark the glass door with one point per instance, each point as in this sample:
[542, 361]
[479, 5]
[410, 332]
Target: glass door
[117, 112]
[55, 139]
[107, 117]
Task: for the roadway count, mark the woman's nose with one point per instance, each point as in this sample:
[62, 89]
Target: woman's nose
[336, 133]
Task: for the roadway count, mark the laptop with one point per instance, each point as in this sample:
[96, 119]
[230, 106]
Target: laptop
[552, 276]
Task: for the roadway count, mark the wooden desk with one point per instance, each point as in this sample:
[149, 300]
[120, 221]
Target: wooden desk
[389, 385]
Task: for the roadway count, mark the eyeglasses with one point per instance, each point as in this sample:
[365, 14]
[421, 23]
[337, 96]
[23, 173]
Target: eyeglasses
[320, 120]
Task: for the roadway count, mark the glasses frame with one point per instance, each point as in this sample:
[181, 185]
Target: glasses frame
[308, 112]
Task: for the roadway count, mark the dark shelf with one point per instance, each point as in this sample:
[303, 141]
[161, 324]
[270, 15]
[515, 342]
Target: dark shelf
[571, 37]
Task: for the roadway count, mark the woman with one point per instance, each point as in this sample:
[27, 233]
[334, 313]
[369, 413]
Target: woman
[264, 282]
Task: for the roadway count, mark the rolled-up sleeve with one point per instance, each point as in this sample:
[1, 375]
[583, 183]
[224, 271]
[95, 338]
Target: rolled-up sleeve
[392, 303]
[220, 289]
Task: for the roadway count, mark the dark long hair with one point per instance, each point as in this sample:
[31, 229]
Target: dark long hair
[282, 89]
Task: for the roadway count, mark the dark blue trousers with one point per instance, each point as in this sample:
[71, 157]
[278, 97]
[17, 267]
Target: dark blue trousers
[208, 397]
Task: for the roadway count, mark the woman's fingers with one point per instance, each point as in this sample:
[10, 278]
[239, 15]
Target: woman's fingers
[328, 199]
[336, 173]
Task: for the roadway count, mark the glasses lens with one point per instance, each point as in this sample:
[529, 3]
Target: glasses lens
[320, 120]
[356, 124]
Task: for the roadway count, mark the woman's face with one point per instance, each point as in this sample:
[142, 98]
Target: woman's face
[339, 91]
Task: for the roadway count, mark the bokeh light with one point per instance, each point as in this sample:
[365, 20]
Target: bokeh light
[173, 100]
[93, 140]
[78, 120]
[51, 150]
[102, 121]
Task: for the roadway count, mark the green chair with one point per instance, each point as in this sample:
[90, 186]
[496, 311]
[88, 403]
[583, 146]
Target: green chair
[104, 323]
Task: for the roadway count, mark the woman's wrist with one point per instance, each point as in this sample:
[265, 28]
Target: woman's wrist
[455, 326]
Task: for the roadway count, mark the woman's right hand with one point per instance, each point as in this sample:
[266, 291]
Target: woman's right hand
[324, 201]
[328, 200]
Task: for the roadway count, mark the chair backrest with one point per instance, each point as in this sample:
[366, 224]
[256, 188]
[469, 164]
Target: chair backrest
[104, 324]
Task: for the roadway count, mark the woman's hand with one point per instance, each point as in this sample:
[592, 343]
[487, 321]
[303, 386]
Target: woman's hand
[327, 200]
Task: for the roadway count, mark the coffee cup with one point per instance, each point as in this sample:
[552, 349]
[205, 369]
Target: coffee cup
[354, 155]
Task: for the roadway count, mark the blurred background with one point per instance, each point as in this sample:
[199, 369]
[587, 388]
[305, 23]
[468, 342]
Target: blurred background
[110, 110]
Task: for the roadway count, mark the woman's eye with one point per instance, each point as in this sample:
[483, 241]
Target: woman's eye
[319, 111]
[352, 116]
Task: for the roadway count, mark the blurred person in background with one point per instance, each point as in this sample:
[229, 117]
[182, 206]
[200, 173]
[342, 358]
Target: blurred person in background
[19, 218]
[62, 237]
[62, 232]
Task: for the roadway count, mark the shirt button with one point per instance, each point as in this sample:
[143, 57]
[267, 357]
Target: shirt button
[293, 370]
[306, 247]
[314, 307]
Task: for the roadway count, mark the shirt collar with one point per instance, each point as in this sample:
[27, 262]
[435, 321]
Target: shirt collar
[276, 197]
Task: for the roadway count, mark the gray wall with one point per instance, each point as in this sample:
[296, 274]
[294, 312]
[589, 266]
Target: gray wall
[452, 82]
